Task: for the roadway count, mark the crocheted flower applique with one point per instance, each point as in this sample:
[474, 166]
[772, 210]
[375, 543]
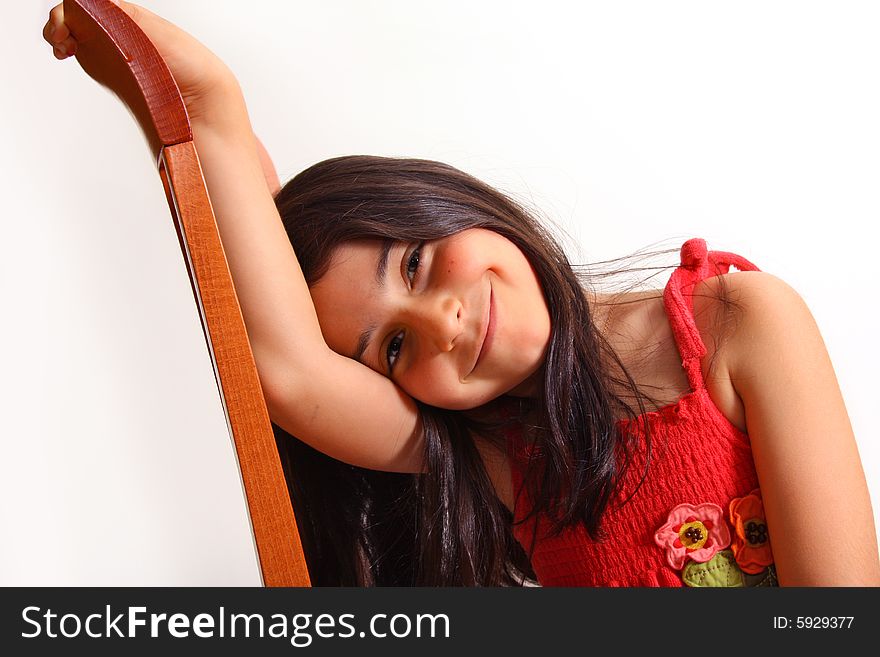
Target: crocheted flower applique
[723, 570]
[751, 542]
[693, 533]
[720, 570]
[696, 540]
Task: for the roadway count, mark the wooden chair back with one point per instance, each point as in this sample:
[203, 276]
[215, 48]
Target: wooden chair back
[117, 54]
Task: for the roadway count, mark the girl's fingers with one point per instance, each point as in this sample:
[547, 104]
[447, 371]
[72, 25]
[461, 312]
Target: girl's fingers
[62, 32]
[55, 29]
[66, 47]
[49, 31]
[58, 34]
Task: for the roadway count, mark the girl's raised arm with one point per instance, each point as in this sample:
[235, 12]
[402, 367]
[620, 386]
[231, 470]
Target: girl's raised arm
[336, 404]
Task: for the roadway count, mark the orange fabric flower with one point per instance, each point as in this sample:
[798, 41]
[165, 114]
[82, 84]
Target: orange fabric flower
[751, 542]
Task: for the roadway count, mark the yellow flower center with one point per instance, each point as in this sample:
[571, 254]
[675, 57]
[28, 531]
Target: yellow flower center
[693, 535]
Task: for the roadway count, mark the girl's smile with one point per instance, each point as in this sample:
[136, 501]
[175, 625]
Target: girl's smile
[456, 322]
[486, 342]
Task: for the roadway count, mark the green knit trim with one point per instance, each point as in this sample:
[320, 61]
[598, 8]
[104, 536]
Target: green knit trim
[720, 570]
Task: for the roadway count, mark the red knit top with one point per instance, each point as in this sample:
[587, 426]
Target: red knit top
[680, 526]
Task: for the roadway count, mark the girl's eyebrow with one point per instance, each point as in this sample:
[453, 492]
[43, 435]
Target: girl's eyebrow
[362, 343]
[382, 262]
[381, 273]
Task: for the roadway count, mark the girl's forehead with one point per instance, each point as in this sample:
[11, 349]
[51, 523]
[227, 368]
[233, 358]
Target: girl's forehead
[357, 276]
[347, 298]
[359, 255]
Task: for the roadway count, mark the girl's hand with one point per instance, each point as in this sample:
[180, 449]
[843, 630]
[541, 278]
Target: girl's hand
[200, 75]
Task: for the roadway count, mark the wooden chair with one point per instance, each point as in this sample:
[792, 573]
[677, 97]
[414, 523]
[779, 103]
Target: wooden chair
[117, 54]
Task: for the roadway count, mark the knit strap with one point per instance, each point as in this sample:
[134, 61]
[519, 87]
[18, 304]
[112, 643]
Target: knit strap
[697, 264]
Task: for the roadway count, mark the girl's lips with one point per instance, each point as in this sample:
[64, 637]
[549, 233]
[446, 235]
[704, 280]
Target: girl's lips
[490, 330]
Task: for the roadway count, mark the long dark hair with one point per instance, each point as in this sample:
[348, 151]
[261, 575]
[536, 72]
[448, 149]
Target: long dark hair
[446, 526]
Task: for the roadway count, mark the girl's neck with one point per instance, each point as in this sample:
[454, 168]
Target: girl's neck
[531, 387]
[619, 318]
[625, 319]
[636, 327]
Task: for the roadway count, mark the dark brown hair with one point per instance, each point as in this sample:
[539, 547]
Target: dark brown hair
[446, 526]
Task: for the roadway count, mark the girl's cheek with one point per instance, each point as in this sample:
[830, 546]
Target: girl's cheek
[431, 387]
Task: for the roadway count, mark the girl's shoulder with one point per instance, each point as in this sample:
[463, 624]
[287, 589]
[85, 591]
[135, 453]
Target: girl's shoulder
[641, 333]
[736, 313]
[729, 308]
[759, 308]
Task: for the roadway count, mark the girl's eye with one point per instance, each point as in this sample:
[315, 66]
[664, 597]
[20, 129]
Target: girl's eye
[412, 265]
[393, 350]
[412, 268]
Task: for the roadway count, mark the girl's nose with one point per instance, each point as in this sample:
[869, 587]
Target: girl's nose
[440, 321]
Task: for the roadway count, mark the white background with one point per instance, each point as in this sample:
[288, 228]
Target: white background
[750, 124]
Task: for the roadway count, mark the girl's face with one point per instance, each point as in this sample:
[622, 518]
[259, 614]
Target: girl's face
[455, 322]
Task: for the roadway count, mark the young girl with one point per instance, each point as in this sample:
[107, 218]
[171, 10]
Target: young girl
[471, 413]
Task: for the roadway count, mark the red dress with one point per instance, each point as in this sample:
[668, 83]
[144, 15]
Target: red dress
[697, 517]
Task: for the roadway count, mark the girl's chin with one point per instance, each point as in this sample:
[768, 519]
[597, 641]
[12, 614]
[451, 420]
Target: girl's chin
[528, 387]
[468, 404]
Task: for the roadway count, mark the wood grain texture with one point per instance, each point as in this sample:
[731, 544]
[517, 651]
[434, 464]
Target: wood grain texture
[275, 530]
[116, 53]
